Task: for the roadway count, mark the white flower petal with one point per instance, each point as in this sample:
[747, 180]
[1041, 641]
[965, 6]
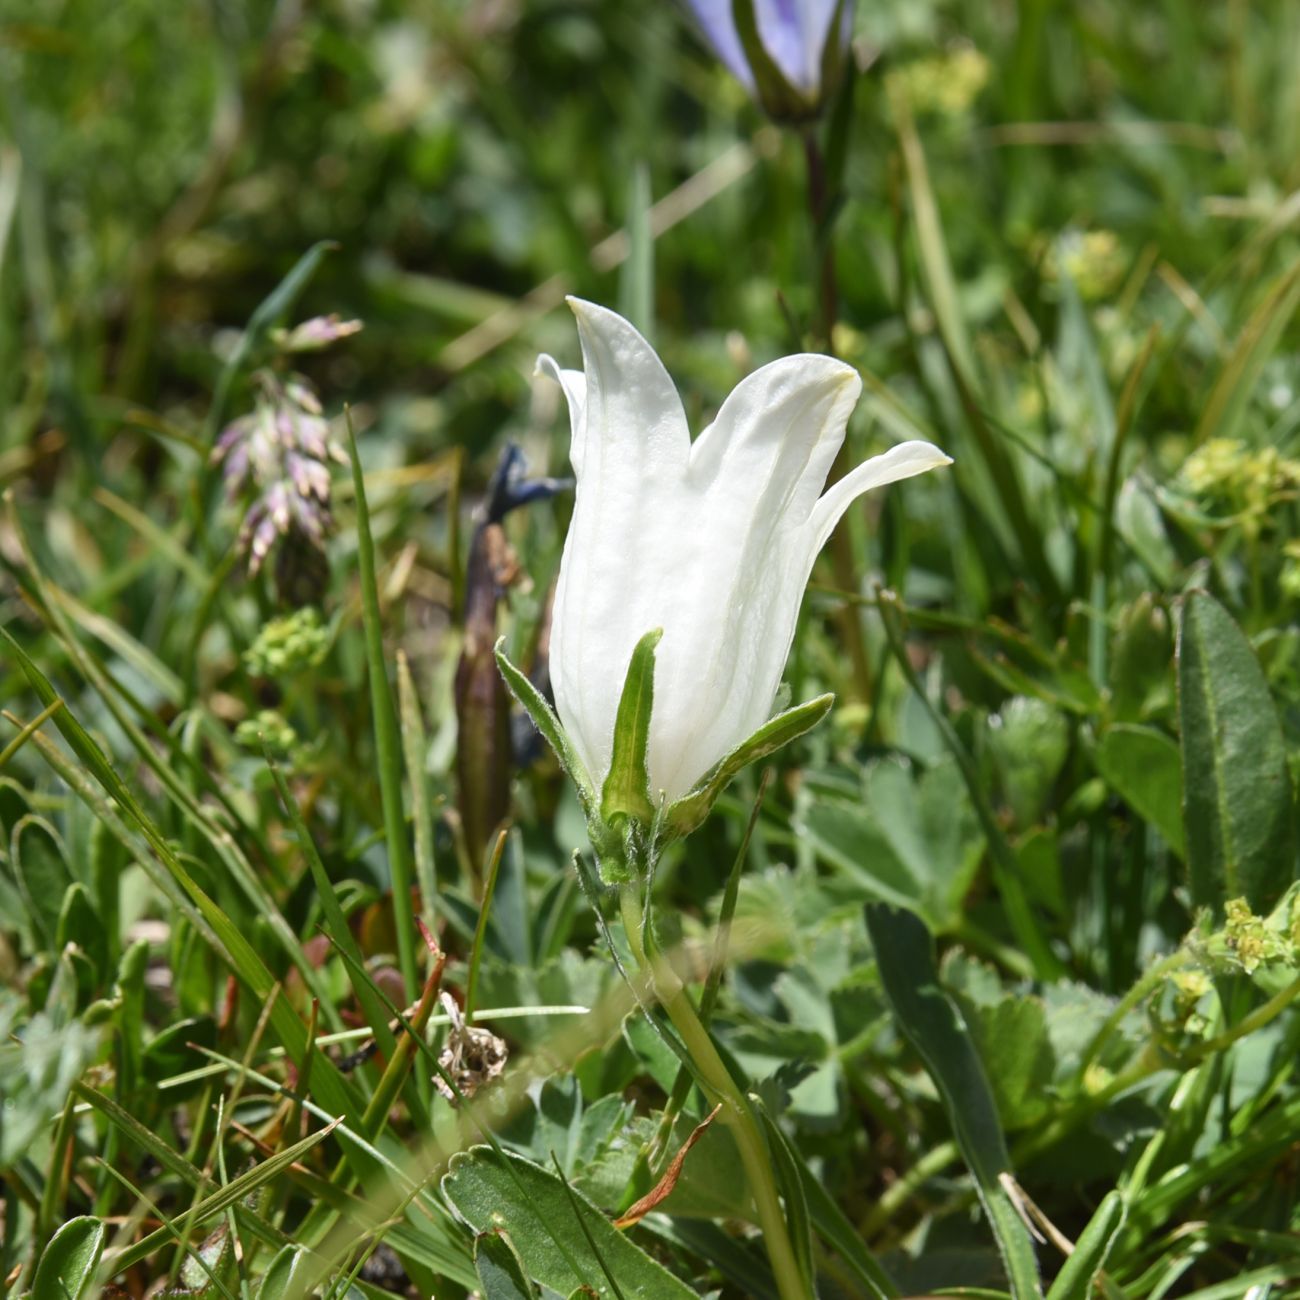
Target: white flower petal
[632, 409]
[629, 454]
[903, 461]
[574, 385]
[754, 475]
[779, 431]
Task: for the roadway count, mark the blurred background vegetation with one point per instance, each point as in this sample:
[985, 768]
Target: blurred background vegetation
[1065, 243]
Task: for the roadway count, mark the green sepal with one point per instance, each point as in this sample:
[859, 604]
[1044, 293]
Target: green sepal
[691, 809]
[834, 54]
[605, 843]
[626, 792]
[780, 100]
[544, 719]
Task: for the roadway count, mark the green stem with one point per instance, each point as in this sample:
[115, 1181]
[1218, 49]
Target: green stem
[388, 750]
[843, 562]
[1151, 1062]
[716, 1080]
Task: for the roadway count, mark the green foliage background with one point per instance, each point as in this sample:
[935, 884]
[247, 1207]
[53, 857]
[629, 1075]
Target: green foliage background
[1067, 671]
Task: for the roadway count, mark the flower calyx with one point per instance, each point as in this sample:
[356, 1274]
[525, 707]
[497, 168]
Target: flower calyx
[626, 822]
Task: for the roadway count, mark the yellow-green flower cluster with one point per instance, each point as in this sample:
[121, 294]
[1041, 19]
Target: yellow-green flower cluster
[288, 645]
[1289, 577]
[1251, 941]
[947, 84]
[270, 729]
[1094, 260]
[1248, 481]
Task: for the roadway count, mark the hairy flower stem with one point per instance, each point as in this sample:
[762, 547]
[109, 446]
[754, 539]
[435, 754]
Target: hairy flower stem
[718, 1084]
[820, 202]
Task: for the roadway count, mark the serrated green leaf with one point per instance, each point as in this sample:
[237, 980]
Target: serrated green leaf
[540, 1214]
[626, 792]
[691, 809]
[68, 1264]
[500, 1271]
[1237, 803]
[911, 842]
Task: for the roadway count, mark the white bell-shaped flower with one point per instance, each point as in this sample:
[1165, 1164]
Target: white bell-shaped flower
[711, 541]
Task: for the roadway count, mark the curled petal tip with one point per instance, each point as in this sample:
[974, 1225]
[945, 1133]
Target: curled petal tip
[920, 449]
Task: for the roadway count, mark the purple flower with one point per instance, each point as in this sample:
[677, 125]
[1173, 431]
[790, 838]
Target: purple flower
[787, 53]
[276, 458]
[317, 333]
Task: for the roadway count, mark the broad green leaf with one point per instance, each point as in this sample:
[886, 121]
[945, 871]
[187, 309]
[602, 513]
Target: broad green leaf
[1236, 788]
[691, 809]
[500, 1271]
[1030, 740]
[912, 842]
[1012, 1035]
[68, 1264]
[930, 1021]
[81, 925]
[1143, 766]
[540, 1214]
[1077, 1278]
[282, 1277]
[40, 867]
[626, 792]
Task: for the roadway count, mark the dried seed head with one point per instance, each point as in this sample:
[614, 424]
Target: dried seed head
[472, 1056]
